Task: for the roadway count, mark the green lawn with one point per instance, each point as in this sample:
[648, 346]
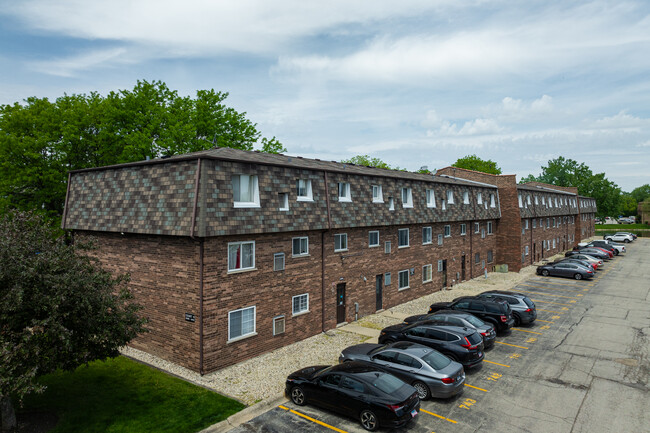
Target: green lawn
[121, 395]
[621, 227]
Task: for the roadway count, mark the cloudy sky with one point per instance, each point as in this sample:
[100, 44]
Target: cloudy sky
[412, 82]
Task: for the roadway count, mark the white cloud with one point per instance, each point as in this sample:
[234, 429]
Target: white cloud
[622, 120]
[68, 67]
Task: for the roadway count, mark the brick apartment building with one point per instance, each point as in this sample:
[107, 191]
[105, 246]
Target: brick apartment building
[235, 253]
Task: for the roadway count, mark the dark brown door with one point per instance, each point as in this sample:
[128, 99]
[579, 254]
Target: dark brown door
[534, 251]
[444, 273]
[462, 264]
[379, 289]
[340, 303]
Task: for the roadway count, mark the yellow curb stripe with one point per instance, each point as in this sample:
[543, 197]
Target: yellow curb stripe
[548, 294]
[523, 330]
[496, 363]
[545, 321]
[439, 416]
[313, 420]
[549, 311]
[513, 345]
[476, 387]
[547, 302]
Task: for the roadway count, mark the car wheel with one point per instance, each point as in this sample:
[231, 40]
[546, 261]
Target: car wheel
[422, 389]
[369, 420]
[298, 396]
[517, 319]
[616, 252]
[578, 276]
[545, 272]
[627, 241]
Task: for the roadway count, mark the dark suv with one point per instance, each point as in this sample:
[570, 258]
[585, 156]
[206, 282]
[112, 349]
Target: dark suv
[523, 309]
[463, 345]
[496, 312]
[458, 318]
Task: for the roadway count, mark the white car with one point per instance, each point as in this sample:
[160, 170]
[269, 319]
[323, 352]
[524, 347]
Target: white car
[619, 237]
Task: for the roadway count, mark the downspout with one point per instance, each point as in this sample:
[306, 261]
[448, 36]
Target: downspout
[193, 226]
[322, 252]
[65, 206]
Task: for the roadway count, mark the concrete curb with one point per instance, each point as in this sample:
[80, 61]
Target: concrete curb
[245, 415]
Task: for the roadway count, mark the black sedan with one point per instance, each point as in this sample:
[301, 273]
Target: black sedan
[460, 344]
[458, 318]
[571, 270]
[494, 311]
[429, 371]
[355, 389]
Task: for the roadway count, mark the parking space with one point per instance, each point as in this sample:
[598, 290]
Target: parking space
[582, 366]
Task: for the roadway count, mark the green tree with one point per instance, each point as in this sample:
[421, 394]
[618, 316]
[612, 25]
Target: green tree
[627, 205]
[58, 308]
[529, 178]
[641, 193]
[473, 162]
[367, 161]
[40, 140]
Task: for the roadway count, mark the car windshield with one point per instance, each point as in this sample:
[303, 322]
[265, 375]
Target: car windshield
[325, 370]
[387, 383]
[475, 321]
[377, 349]
[436, 360]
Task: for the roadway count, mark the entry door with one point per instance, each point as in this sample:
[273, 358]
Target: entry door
[534, 251]
[379, 289]
[462, 268]
[340, 303]
[444, 273]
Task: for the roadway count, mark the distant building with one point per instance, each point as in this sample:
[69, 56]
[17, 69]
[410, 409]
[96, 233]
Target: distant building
[643, 210]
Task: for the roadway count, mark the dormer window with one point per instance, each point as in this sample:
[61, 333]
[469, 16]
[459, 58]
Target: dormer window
[528, 199]
[492, 204]
[407, 197]
[479, 198]
[465, 197]
[245, 191]
[283, 201]
[377, 196]
[391, 203]
[303, 190]
[520, 202]
[344, 192]
[431, 198]
[450, 197]
[536, 200]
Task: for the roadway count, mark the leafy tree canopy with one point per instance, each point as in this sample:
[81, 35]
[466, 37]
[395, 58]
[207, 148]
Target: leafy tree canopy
[641, 193]
[58, 309]
[473, 162]
[40, 140]
[369, 162]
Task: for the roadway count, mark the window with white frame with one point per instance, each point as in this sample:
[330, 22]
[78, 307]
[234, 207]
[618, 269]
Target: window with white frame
[283, 201]
[440, 266]
[520, 202]
[553, 243]
[556, 202]
[303, 190]
[554, 222]
[403, 277]
[489, 227]
[241, 323]
[278, 325]
[440, 239]
[447, 231]
[241, 255]
[548, 223]
[344, 191]
[477, 227]
[245, 191]
[463, 229]
[492, 203]
[391, 203]
[526, 224]
[377, 194]
[387, 279]
[526, 249]
[387, 246]
[402, 238]
[427, 273]
[450, 197]
[278, 262]
[536, 201]
[407, 197]
[341, 242]
[490, 256]
[465, 197]
[528, 199]
[482, 233]
[443, 204]
[431, 198]
[426, 235]
[543, 200]
[300, 246]
[479, 198]
[300, 304]
[373, 238]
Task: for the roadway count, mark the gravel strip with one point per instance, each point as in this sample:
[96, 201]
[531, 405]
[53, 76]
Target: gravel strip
[262, 377]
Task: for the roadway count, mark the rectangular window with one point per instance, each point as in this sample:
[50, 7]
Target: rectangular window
[444, 206]
[431, 198]
[245, 191]
[387, 279]
[526, 224]
[554, 222]
[278, 325]
[534, 224]
[553, 243]
[241, 323]
[341, 242]
[403, 277]
[528, 199]
[463, 229]
[440, 266]
[241, 255]
[387, 247]
[300, 304]
[465, 197]
[520, 203]
[407, 197]
[447, 231]
[427, 273]
[402, 238]
[489, 227]
[477, 227]
[548, 223]
[283, 201]
[373, 238]
[450, 197]
[536, 200]
[344, 191]
[391, 203]
[426, 235]
[490, 257]
[278, 262]
[439, 239]
[479, 198]
[477, 258]
[303, 190]
[300, 246]
[482, 233]
[526, 249]
[492, 204]
[377, 195]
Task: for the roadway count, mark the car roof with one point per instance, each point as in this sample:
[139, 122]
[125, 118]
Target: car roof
[451, 313]
[454, 329]
[409, 348]
[355, 367]
[503, 292]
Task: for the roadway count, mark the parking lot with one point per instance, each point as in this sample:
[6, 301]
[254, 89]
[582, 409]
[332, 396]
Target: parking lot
[581, 367]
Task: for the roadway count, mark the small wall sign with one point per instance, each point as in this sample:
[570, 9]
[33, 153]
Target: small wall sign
[190, 317]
